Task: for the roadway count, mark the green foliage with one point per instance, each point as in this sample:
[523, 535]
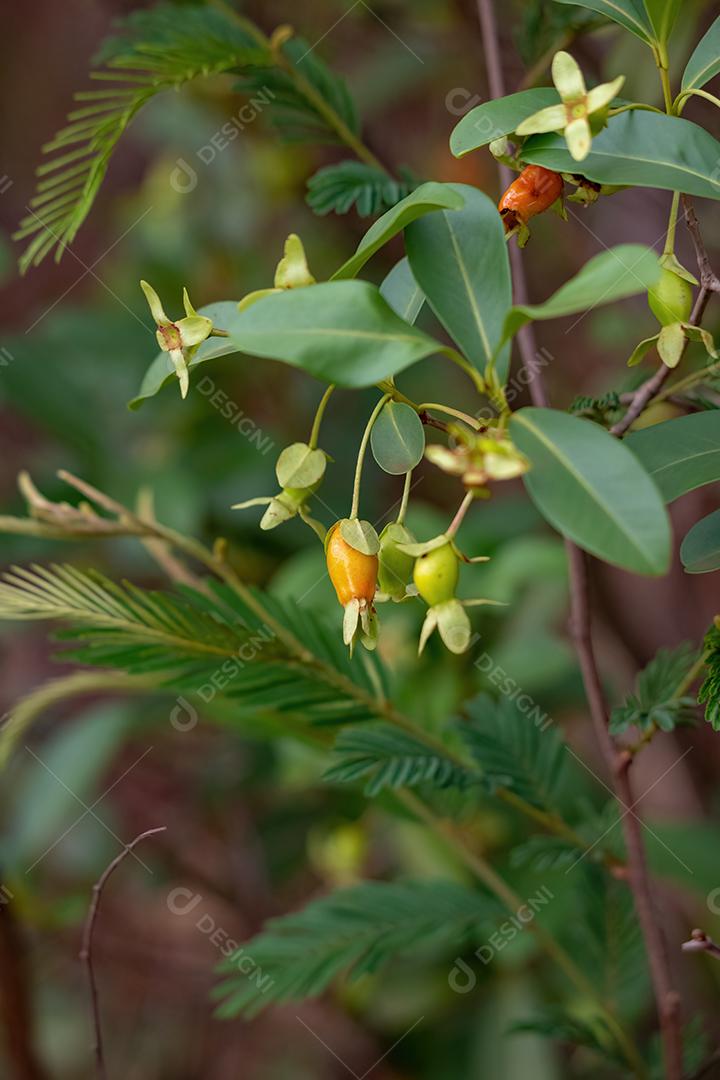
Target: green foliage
[513, 751]
[459, 259]
[340, 331]
[625, 270]
[155, 50]
[591, 488]
[356, 930]
[391, 758]
[709, 692]
[398, 438]
[633, 15]
[657, 702]
[700, 549]
[338, 188]
[603, 410]
[597, 839]
[493, 119]
[560, 1024]
[298, 115]
[682, 454]
[640, 149]
[704, 64]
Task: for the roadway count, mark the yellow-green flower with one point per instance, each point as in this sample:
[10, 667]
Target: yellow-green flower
[178, 339]
[578, 104]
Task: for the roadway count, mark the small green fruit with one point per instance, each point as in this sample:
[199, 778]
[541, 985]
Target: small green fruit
[436, 575]
[396, 566]
[671, 299]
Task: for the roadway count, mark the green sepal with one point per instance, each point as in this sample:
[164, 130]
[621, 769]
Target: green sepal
[299, 466]
[360, 535]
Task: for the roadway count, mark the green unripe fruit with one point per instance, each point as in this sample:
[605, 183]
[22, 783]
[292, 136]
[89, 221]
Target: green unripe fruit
[436, 575]
[395, 567]
[671, 299]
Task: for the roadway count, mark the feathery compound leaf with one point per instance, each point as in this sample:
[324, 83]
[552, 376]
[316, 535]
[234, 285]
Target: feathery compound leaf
[355, 931]
[154, 51]
[709, 692]
[337, 188]
[298, 116]
[559, 1024]
[391, 758]
[513, 750]
[656, 702]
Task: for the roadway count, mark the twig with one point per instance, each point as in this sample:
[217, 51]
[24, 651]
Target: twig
[709, 283]
[701, 942]
[667, 999]
[86, 954]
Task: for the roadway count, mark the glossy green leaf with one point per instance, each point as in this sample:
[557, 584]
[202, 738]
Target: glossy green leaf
[459, 259]
[402, 291]
[662, 15]
[681, 454]
[340, 331]
[612, 275]
[700, 550]
[427, 197]
[590, 488]
[640, 149]
[161, 370]
[397, 438]
[704, 63]
[631, 14]
[493, 119]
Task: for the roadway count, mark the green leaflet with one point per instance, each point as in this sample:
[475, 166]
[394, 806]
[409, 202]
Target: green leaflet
[459, 259]
[590, 487]
[397, 438]
[632, 14]
[340, 331]
[640, 149]
[700, 550]
[621, 271]
[680, 455]
[704, 63]
[427, 197]
[493, 119]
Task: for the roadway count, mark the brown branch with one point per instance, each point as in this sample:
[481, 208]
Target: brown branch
[708, 278]
[667, 1000]
[15, 1010]
[86, 951]
[701, 942]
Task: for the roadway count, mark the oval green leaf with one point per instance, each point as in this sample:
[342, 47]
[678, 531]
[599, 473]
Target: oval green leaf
[621, 271]
[640, 149]
[704, 63]
[360, 535]
[590, 488]
[340, 331]
[459, 259]
[161, 370]
[402, 291]
[681, 454]
[427, 197]
[397, 438]
[631, 14]
[700, 550]
[299, 467]
[493, 119]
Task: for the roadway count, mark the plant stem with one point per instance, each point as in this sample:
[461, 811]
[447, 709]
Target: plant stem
[666, 998]
[86, 953]
[361, 453]
[669, 247]
[314, 434]
[681, 99]
[485, 873]
[400, 519]
[460, 515]
[457, 413]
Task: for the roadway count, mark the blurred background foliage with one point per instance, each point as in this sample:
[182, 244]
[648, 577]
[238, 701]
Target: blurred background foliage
[251, 829]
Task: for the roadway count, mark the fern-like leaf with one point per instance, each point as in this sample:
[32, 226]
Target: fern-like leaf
[709, 692]
[339, 188]
[155, 50]
[391, 758]
[513, 751]
[297, 115]
[355, 931]
[656, 702]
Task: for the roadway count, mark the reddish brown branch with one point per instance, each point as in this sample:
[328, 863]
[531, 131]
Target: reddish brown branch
[667, 1000]
[15, 1010]
[86, 951]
